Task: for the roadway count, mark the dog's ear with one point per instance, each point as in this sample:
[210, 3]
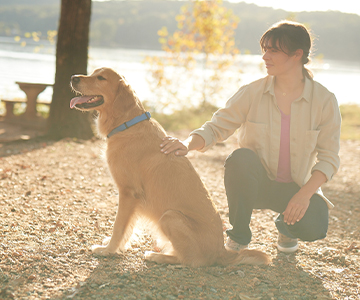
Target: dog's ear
[120, 86]
[123, 98]
[126, 99]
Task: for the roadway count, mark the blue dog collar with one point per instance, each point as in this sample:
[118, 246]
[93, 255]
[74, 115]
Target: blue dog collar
[126, 125]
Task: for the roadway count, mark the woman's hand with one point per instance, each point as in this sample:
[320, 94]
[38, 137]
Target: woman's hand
[171, 144]
[296, 209]
[181, 148]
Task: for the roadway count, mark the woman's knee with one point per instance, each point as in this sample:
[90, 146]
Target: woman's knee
[241, 157]
[311, 233]
[314, 225]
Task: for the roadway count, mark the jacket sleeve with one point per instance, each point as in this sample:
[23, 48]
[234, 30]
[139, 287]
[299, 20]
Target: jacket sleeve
[328, 142]
[226, 120]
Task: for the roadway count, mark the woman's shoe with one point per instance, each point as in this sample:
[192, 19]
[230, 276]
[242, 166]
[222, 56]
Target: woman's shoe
[286, 244]
[234, 246]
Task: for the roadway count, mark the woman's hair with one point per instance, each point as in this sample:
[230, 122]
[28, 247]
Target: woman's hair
[289, 36]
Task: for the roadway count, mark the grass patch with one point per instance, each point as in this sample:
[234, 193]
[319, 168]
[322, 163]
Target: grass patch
[189, 118]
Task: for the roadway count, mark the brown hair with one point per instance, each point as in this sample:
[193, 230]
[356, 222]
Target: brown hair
[290, 36]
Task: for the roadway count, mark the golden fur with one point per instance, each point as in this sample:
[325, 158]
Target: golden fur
[165, 189]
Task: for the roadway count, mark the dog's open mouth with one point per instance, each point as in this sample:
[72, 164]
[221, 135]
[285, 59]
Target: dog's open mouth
[86, 101]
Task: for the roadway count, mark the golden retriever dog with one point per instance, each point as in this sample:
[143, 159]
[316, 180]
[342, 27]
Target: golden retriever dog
[164, 189]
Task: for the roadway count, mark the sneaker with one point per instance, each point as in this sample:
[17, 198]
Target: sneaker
[286, 244]
[234, 246]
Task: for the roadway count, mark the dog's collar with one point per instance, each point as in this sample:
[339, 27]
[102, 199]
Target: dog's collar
[126, 125]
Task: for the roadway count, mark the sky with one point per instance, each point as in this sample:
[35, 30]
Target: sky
[348, 6]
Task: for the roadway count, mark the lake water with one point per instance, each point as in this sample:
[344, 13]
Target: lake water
[35, 62]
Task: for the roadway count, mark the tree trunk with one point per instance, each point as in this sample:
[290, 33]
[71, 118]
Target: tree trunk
[71, 58]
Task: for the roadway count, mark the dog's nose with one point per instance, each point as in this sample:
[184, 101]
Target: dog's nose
[75, 79]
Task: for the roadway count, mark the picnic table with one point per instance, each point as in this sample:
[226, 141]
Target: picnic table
[32, 91]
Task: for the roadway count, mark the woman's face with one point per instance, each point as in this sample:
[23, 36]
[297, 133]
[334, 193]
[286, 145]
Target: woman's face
[278, 62]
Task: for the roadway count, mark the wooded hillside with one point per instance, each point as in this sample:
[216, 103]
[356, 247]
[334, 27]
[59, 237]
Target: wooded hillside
[134, 24]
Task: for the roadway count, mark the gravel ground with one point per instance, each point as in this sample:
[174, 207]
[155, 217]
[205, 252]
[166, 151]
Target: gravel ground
[57, 199]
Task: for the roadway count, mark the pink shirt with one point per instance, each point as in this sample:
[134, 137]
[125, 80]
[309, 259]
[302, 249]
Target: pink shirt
[284, 167]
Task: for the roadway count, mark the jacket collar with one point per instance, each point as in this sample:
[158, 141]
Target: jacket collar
[306, 95]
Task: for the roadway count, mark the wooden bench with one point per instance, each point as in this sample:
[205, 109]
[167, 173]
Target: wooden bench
[9, 105]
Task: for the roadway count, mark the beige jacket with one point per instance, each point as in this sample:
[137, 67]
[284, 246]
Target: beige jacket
[314, 128]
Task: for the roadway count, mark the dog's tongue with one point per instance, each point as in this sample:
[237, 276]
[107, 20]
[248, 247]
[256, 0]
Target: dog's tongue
[78, 100]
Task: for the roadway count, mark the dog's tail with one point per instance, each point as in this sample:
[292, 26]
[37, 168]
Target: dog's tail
[244, 256]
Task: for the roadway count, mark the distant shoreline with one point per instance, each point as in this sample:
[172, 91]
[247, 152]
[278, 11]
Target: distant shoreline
[134, 24]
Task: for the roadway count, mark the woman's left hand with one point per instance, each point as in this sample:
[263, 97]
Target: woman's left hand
[296, 209]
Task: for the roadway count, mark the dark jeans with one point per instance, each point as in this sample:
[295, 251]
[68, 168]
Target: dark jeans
[248, 187]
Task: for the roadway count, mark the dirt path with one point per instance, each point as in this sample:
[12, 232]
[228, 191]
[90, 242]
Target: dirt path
[57, 199]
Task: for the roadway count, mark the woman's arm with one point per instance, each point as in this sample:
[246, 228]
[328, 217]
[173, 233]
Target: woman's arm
[222, 125]
[328, 140]
[181, 148]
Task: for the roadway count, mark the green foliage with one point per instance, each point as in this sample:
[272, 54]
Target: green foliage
[27, 24]
[43, 110]
[99, 27]
[2, 108]
[30, 17]
[350, 127]
[19, 108]
[198, 53]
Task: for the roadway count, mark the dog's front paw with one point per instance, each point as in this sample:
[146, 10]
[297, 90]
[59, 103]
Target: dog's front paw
[101, 250]
[150, 255]
[106, 240]
[161, 258]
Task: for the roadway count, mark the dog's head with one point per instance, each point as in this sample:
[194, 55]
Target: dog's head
[101, 87]
[108, 93]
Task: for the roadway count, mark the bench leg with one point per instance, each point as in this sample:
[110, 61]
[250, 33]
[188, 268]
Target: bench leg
[9, 110]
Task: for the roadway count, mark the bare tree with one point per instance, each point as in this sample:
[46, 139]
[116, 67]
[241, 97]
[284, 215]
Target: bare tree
[71, 58]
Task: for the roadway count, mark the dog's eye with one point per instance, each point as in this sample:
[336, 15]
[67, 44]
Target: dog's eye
[101, 78]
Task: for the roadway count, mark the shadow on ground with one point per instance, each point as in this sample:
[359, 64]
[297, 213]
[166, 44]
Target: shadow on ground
[113, 279]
